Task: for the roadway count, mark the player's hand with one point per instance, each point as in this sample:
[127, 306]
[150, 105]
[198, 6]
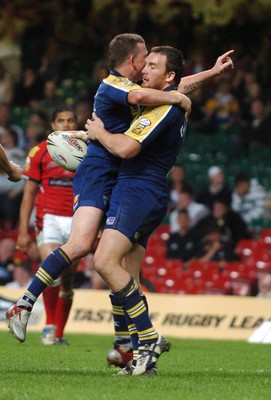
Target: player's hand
[16, 172]
[223, 62]
[24, 242]
[80, 135]
[186, 105]
[94, 126]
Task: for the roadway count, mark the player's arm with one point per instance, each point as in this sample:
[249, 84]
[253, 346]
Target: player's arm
[189, 84]
[26, 207]
[14, 171]
[153, 97]
[118, 144]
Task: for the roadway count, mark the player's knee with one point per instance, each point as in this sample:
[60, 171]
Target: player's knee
[101, 262]
[77, 250]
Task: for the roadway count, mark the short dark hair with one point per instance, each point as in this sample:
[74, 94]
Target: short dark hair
[188, 189]
[175, 60]
[121, 47]
[241, 177]
[63, 109]
[183, 211]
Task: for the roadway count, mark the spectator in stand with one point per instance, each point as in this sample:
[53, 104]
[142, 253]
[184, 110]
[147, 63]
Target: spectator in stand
[21, 276]
[232, 226]
[217, 16]
[186, 200]
[52, 63]
[99, 72]
[49, 100]
[250, 20]
[7, 252]
[11, 31]
[264, 284]
[182, 245]
[199, 120]
[69, 32]
[216, 188]
[83, 112]
[28, 90]
[6, 86]
[256, 132]
[37, 128]
[222, 108]
[213, 247]
[248, 198]
[253, 91]
[176, 180]
[6, 122]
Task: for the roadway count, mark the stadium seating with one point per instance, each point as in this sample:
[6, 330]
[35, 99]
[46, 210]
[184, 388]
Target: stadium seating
[196, 277]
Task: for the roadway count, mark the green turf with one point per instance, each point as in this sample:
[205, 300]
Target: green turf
[193, 370]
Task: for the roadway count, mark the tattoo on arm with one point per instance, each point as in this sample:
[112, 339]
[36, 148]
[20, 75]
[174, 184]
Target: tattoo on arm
[193, 86]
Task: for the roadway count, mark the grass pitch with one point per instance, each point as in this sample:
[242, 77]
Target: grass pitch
[193, 370]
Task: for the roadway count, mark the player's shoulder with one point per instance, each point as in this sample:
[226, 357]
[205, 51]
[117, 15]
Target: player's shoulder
[121, 83]
[37, 150]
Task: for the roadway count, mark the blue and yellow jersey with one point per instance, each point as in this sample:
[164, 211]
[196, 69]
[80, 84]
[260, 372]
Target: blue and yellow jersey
[160, 131]
[111, 105]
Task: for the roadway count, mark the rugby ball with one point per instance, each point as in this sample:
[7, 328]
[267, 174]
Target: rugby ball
[66, 150]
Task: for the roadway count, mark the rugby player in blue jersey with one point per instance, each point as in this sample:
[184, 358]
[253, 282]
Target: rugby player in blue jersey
[116, 103]
[139, 200]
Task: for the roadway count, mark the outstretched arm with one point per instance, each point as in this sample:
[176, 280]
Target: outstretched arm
[14, 171]
[189, 84]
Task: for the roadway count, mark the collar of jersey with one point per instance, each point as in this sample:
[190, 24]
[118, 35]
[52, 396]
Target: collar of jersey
[116, 73]
[167, 89]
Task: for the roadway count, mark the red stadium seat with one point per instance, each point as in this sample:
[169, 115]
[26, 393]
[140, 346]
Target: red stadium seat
[246, 248]
[265, 236]
[164, 228]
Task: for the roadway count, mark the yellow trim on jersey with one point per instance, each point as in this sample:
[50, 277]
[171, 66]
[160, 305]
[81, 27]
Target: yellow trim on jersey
[143, 126]
[121, 83]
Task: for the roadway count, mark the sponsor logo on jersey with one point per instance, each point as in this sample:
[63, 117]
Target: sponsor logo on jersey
[137, 235]
[127, 84]
[75, 202]
[110, 220]
[143, 123]
[63, 182]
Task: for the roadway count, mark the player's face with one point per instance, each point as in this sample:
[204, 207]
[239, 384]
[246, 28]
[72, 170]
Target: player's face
[139, 62]
[154, 73]
[65, 121]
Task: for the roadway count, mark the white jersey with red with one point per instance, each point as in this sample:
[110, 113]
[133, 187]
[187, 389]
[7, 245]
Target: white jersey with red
[55, 195]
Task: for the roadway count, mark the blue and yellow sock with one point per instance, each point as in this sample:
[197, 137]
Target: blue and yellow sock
[137, 311]
[49, 270]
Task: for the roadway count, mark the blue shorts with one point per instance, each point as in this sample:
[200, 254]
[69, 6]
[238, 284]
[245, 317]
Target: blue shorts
[94, 181]
[136, 208]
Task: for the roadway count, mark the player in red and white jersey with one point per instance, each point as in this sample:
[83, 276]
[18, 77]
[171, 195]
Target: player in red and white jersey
[49, 190]
[54, 183]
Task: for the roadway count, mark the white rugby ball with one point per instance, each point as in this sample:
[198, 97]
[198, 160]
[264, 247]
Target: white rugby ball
[66, 150]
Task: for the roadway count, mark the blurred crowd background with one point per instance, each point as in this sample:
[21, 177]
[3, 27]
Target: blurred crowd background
[53, 53]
